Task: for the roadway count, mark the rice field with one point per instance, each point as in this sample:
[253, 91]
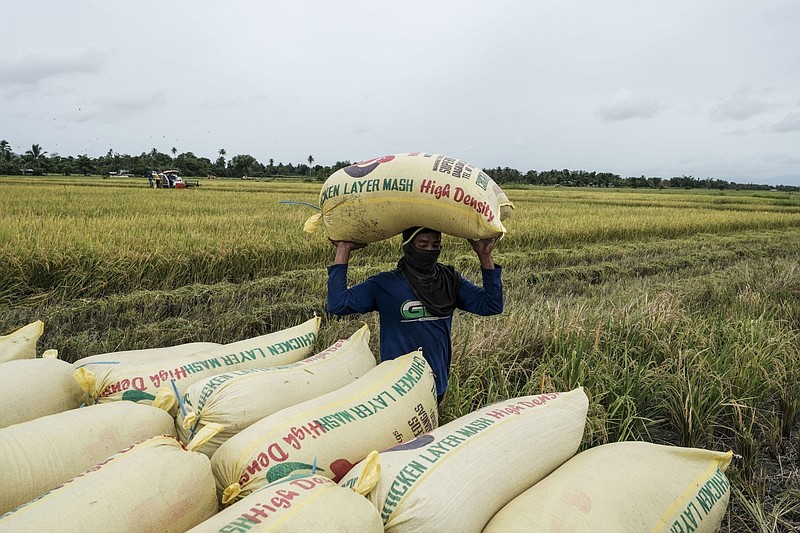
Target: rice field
[677, 311]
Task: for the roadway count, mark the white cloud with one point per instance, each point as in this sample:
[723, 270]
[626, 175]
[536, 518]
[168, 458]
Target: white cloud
[791, 122]
[33, 70]
[741, 106]
[739, 131]
[626, 105]
[114, 109]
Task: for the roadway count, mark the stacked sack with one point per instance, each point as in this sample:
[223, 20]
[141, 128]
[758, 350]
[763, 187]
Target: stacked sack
[303, 502]
[625, 486]
[306, 425]
[379, 198]
[32, 387]
[149, 355]
[51, 451]
[219, 407]
[105, 380]
[21, 344]
[392, 403]
[39, 455]
[154, 485]
[456, 477]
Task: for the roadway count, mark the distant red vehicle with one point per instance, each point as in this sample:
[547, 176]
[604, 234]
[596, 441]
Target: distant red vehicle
[169, 179]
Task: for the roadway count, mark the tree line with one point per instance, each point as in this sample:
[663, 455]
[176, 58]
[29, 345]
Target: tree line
[582, 178]
[38, 161]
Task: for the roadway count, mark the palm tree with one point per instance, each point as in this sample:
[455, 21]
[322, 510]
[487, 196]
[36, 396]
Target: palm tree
[174, 151]
[153, 158]
[221, 159]
[5, 150]
[35, 153]
[310, 165]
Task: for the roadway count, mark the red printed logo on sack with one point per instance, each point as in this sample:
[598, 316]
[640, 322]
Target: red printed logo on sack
[359, 170]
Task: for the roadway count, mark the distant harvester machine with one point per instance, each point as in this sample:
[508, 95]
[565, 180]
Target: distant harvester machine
[170, 179]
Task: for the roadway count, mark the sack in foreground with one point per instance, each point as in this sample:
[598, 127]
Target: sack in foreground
[458, 476]
[625, 486]
[155, 486]
[39, 455]
[378, 199]
[392, 403]
[303, 502]
[221, 406]
[32, 388]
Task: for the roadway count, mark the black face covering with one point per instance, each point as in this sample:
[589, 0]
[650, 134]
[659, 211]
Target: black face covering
[422, 261]
[436, 285]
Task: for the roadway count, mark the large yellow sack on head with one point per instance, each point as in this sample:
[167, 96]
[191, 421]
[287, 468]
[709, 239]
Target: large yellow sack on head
[39, 455]
[154, 485]
[379, 198]
[298, 503]
[625, 486]
[456, 477]
[31, 388]
[105, 381]
[149, 355]
[223, 405]
[21, 344]
[391, 403]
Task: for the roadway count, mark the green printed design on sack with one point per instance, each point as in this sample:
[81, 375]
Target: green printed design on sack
[412, 377]
[427, 457]
[278, 452]
[700, 506]
[367, 185]
[182, 372]
[213, 384]
[292, 344]
[137, 396]
[282, 470]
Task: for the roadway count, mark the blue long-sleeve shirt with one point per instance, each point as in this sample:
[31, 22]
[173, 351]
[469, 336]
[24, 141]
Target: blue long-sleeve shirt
[405, 324]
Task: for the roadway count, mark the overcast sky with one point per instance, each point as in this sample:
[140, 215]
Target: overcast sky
[704, 88]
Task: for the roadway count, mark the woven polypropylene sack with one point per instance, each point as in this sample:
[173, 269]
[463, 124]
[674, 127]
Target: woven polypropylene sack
[32, 388]
[379, 198]
[21, 344]
[154, 485]
[149, 355]
[105, 381]
[391, 403]
[625, 487]
[301, 503]
[225, 404]
[458, 476]
[39, 455]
